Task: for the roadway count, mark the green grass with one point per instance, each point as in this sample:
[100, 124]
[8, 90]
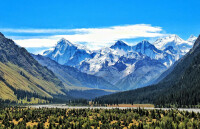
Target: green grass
[27, 82]
[32, 101]
[6, 92]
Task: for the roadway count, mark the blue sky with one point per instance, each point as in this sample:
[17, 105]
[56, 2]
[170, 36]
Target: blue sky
[27, 21]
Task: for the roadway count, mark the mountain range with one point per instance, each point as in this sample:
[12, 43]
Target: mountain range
[178, 86]
[124, 66]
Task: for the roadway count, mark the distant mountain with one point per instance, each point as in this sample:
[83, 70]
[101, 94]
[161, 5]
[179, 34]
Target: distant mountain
[116, 64]
[166, 56]
[120, 45]
[178, 44]
[67, 53]
[147, 48]
[73, 77]
[21, 76]
[146, 71]
[179, 88]
[121, 64]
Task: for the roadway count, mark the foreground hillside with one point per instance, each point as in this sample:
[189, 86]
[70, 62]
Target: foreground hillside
[179, 88]
[22, 77]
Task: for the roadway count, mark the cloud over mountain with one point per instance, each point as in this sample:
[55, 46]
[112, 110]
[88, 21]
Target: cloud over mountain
[94, 38]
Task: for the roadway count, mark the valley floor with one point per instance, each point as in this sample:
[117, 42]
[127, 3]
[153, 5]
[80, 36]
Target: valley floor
[65, 117]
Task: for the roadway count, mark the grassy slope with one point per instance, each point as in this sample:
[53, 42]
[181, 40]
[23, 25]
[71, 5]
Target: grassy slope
[6, 92]
[19, 71]
[26, 82]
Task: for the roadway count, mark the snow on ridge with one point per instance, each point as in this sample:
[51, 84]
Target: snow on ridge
[192, 39]
[91, 62]
[159, 43]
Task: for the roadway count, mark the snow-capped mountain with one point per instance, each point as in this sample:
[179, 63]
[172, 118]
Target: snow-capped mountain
[151, 51]
[179, 45]
[148, 49]
[112, 63]
[67, 53]
[126, 66]
[119, 60]
[121, 46]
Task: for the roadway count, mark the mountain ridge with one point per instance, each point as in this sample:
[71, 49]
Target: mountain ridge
[118, 61]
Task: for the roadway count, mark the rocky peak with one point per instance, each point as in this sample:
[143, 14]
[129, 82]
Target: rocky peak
[120, 45]
[63, 42]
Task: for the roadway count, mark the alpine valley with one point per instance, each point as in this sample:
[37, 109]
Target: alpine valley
[72, 71]
[107, 64]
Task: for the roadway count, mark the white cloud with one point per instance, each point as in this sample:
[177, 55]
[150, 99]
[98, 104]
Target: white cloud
[33, 30]
[48, 42]
[93, 37]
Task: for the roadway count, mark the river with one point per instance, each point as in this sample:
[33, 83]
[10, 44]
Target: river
[88, 107]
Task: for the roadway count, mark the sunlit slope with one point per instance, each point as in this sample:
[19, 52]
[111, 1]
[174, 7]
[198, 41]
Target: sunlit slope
[18, 78]
[6, 92]
[20, 72]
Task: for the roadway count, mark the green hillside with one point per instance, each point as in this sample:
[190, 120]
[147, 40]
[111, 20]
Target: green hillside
[21, 76]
